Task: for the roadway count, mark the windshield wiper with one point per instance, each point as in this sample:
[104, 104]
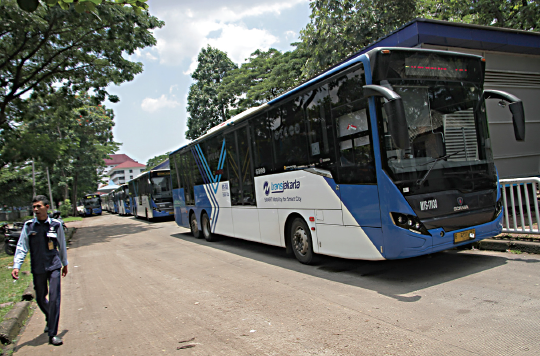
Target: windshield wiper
[421, 181]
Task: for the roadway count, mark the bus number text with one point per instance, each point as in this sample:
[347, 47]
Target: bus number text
[428, 204]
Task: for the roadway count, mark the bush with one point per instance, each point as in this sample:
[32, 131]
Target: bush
[65, 208]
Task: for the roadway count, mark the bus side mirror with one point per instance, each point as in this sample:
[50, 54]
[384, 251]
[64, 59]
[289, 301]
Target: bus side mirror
[516, 108]
[395, 112]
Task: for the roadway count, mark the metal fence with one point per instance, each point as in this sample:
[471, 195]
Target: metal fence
[520, 205]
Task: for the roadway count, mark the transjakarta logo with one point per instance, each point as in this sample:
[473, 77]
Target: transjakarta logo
[280, 187]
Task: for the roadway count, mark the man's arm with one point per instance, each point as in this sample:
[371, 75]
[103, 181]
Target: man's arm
[62, 251]
[20, 253]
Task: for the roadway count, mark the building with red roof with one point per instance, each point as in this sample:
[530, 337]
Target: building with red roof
[125, 172]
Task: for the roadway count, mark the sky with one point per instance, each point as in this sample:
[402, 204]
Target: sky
[151, 115]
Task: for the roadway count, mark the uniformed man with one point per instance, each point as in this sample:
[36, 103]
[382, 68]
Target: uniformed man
[44, 237]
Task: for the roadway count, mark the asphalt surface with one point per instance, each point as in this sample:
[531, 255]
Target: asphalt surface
[138, 288]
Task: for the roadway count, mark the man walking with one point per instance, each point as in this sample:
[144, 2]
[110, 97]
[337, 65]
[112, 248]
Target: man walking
[44, 237]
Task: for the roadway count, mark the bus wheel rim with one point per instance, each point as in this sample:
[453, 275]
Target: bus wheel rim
[194, 225]
[300, 241]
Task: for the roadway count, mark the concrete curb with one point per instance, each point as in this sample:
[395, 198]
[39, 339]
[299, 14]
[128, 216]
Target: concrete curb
[13, 322]
[505, 245]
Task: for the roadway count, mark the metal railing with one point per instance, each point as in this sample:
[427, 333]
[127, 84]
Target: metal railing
[519, 208]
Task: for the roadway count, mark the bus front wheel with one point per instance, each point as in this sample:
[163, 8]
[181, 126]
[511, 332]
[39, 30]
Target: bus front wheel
[207, 229]
[194, 226]
[301, 242]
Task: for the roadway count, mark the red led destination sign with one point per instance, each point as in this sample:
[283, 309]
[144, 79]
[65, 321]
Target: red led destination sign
[436, 68]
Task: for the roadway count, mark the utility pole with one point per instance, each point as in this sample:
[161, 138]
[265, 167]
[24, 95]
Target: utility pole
[50, 190]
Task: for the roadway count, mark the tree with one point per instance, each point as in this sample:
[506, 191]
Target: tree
[152, 162]
[264, 76]
[70, 137]
[516, 14]
[340, 28]
[206, 108]
[80, 5]
[79, 51]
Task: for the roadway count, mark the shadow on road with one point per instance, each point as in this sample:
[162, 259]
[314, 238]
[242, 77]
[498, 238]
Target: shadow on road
[98, 234]
[397, 279]
[42, 339]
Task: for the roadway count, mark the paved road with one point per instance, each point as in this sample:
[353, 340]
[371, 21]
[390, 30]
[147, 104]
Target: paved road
[138, 288]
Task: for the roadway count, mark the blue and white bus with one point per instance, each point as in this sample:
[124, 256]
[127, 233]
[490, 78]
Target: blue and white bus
[123, 200]
[384, 156]
[92, 204]
[151, 195]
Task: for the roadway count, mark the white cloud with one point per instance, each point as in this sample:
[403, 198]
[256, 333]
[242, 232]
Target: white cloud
[187, 29]
[152, 105]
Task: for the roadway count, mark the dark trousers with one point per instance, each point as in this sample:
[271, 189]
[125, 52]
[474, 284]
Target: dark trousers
[49, 283]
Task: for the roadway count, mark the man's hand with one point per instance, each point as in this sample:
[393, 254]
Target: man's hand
[15, 273]
[64, 271]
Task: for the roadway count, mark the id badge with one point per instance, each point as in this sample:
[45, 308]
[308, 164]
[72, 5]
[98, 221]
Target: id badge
[51, 245]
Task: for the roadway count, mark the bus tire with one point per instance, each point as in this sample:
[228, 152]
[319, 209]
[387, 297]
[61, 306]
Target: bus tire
[207, 229]
[194, 226]
[301, 242]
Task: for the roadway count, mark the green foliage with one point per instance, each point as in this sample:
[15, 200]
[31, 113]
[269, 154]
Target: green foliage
[80, 5]
[81, 51]
[12, 291]
[152, 162]
[340, 28]
[264, 76]
[65, 208]
[206, 107]
[516, 14]
[71, 137]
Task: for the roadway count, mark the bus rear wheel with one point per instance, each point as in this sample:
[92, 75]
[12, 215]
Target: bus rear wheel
[207, 229]
[194, 226]
[301, 242]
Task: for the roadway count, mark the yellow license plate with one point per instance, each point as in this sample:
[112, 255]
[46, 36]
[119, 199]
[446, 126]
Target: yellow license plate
[464, 236]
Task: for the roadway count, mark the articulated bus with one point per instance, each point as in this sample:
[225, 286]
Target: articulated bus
[92, 204]
[151, 195]
[385, 156]
[123, 199]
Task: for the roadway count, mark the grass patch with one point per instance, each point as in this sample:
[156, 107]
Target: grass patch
[72, 218]
[9, 291]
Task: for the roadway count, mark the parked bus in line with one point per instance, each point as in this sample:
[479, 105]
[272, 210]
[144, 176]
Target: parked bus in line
[92, 204]
[105, 202]
[123, 200]
[385, 156]
[151, 195]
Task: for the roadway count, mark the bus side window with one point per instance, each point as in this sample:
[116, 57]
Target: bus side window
[261, 140]
[351, 114]
[289, 131]
[248, 185]
[320, 128]
[232, 166]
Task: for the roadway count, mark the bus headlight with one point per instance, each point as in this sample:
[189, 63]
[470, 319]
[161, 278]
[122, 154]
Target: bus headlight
[409, 222]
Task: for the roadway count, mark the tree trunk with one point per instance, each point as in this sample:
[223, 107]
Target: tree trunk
[74, 195]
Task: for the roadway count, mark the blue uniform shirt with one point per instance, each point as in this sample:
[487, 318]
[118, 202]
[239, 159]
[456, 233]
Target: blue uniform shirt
[35, 237]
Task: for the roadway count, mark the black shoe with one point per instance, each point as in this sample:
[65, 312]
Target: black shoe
[46, 330]
[55, 340]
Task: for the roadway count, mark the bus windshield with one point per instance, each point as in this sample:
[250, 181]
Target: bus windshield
[161, 190]
[93, 202]
[449, 140]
